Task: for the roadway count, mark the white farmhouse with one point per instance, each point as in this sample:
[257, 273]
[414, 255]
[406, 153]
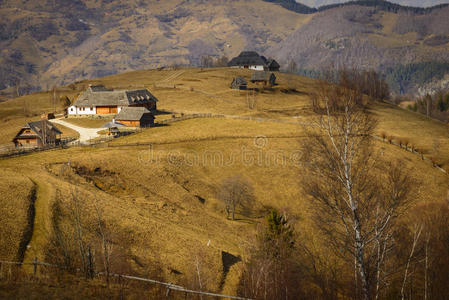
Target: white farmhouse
[253, 61]
[97, 100]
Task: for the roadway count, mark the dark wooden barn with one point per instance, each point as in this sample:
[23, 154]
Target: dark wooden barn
[135, 117]
[37, 134]
[265, 78]
[239, 83]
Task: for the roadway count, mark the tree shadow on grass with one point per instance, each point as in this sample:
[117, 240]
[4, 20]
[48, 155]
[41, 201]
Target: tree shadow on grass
[228, 260]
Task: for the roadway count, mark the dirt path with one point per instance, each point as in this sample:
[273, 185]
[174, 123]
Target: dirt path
[41, 225]
[85, 133]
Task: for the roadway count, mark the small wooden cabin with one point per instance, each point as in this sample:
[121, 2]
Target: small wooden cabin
[135, 117]
[266, 78]
[37, 134]
[239, 83]
[272, 65]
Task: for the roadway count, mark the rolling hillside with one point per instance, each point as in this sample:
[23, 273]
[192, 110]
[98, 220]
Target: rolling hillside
[417, 3]
[49, 43]
[88, 39]
[159, 200]
[365, 37]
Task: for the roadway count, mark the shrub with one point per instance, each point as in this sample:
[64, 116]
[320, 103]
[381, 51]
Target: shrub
[406, 142]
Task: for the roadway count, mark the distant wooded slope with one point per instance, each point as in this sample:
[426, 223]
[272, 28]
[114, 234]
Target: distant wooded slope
[46, 43]
[418, 3]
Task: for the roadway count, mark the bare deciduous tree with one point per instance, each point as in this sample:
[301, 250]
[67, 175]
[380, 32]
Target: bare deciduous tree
[207, 61]
[251, 99]
[106, 245]
[236, 193]
[416, 235]
[355, 204]
[222, 61]
[292, 67]
[77, 215]
[17, 83]
[54, 97]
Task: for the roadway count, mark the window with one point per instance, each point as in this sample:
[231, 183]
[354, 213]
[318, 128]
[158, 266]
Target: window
[71, 109]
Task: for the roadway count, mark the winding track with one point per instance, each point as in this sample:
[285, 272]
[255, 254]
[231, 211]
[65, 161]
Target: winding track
[85, 133]
[41, 223]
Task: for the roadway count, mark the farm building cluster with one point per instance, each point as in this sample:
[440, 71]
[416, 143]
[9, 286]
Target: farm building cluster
[262, 66]
[129, 108]
[133, 108]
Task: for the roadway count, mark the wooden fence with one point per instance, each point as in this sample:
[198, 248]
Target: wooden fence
[11, 151]
[235, 117]
[169, 286]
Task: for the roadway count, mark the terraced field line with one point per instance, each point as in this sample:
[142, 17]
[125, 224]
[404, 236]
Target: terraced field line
[173, 76]
[42, 224]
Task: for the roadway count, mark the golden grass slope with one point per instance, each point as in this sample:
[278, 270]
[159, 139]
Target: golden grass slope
[16, 192]
[151, 196]
[160, 200]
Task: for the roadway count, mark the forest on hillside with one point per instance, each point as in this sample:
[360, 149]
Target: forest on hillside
[403, 79]
[383, 5]
[400, 78]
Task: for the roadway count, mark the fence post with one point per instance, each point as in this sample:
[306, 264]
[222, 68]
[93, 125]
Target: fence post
[167, 294]
[35, 266]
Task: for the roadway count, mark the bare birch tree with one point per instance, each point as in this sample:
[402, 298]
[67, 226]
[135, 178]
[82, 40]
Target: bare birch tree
[416, 235]
[106, 245]
[355, 203]
[76, 213]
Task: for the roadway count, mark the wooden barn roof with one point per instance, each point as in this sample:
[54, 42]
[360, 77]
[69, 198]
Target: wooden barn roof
[273, 64]
[101, 97]
[132, 113]
[98, 88]
[239, 81]
[37, 128]
[248, 58]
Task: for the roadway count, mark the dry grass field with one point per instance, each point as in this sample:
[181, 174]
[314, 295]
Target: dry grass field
[87, 122]
[429, 136]
[159, 202]
[16, 195]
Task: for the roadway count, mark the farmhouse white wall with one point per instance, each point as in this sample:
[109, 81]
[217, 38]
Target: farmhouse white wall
[73, 110]
[257, 68]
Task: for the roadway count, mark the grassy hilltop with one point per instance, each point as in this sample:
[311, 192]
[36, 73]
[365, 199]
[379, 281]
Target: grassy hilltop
[160, 203]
